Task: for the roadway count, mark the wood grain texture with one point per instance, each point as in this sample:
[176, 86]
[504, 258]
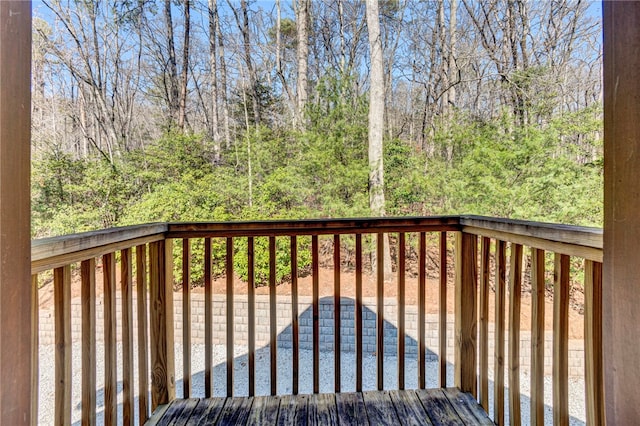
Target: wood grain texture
[186, 318]
[500, 290]
[409, 408]
[380, 310]
[251, 300]
[467, 407]
[126, 297]
[380, 408]
[322, 409]
[15, 275]
[73, 256]
[163, 386]
[422, 300]
[47, 248]
[230, 315]
[485, 269]
[358, 313]
[401, 305]
[587, 252]
[273, 325]
[350, 409]
[438, 407]
[293, 410]
[35, 350]
[423, 407]
[620, 295]
[442, 312]
[313, 227]
[567, 234]
[465, 312]
[206, 412]
[515, 296]
[561, 341]
[295, 323]
[88, 300]
[208, 321]
[143, 341]
[336, 314]
[537, 336]
[235, 411]
[264, 410]
[315, 272]
[594, 367]
[62, 321]
[110, 346]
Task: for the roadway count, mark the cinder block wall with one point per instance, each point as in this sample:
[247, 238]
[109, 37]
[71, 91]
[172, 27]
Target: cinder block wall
[284, 329]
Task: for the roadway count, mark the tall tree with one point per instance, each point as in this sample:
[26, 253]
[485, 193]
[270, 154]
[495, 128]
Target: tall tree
[302, 18]
[213, 75]
[376, 121]
[182, 104]
[171, 86]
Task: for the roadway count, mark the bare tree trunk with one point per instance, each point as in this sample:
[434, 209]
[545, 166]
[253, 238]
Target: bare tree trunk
[182, 109]
[173, 68]
[453, 41]
[223, 84]
[376, 122]
[213, 63]
[302, 17]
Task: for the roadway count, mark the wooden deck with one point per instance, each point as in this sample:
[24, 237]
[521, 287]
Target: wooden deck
[408, 407]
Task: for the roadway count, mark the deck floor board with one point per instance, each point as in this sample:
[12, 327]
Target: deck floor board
[410, 407]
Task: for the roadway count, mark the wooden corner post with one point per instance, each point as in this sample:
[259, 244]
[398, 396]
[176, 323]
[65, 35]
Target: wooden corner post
[163, 384]
[621, 267]
[15, 238]
[465, 312]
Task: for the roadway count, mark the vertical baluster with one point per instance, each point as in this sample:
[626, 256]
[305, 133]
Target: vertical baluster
[110, 348]
[35, 340]
[594, 380]
[422, 298]
[336, 311]
[500, 283]
[515, 294]
[315, 261]
[537, 336]
[380, 309]
[295, 325]
[561, 341]
[186, 318]
[358, 313]
[251, 300]
[273, 325]
[208, 323]
[163, 383]
[126, 270]
[465, 310]
[401, 310]
[230, 325]
[442, 310]
[143, 344]
[62, 313]
[143, 366]
[485, 246]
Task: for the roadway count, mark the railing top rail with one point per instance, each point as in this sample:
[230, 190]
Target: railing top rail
[48, 253]
[566, 234]
[313, 226]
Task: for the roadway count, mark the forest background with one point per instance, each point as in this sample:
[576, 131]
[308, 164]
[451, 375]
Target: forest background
[189, 110]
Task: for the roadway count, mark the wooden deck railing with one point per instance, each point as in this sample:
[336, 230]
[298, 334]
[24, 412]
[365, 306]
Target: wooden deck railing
[144, 255]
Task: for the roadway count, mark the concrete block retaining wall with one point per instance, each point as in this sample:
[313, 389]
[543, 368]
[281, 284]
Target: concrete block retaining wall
[283, 315]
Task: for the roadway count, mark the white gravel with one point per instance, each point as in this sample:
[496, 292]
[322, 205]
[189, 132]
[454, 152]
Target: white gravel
[46, 390]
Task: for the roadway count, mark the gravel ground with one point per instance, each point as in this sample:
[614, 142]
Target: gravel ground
[46, 391]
